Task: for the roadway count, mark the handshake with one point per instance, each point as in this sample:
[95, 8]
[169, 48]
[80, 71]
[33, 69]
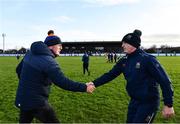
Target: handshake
[90, 87]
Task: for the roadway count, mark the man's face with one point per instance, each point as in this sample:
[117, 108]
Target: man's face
[51, 34]
[127, 48]
[56, 49]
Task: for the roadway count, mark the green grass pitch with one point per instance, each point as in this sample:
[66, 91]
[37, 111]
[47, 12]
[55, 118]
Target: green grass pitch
[108, 103]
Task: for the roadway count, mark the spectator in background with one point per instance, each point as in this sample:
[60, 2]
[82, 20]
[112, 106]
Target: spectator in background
[111, 57]
[50, 33]
[115, 57]
[85, 60]
[18, 57]
[106, 57]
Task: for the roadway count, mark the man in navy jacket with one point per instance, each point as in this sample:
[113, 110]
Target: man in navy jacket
[143, 74]
[85, 60]
[36, 72]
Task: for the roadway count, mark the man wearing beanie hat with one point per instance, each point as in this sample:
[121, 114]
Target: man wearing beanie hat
[36, 72]
[54, 44]
[133, 38]
[143, 74]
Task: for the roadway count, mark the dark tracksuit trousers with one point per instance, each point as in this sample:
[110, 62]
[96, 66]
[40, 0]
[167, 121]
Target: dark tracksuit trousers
[45, 114]
[85, 68]
[139, 112]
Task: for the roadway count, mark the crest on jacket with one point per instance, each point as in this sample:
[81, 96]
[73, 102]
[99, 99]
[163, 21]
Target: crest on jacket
[138, 65]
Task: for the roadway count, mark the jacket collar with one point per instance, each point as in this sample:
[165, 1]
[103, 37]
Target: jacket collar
[136, 52]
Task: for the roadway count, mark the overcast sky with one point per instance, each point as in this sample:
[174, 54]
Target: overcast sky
[26, 21]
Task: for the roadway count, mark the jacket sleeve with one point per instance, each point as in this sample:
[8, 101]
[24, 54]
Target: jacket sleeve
[19, 68]
[57, 77]
[157, 72]
[112, 74]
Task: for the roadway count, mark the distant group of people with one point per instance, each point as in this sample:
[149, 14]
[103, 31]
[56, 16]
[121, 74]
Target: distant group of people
[111, 57]
[143, 73]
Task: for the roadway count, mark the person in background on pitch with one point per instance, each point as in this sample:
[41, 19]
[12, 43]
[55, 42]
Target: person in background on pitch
[18, 57]
[37, 71]
[85, 60]
[115, 57]
[143, 74]
[50, 33]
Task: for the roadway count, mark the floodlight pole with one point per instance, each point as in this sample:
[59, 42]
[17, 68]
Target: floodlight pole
[3, 35]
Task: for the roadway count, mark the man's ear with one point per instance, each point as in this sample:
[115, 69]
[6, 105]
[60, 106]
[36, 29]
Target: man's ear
[50, 47]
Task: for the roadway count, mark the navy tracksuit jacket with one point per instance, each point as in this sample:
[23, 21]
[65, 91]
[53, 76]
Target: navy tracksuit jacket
[143, 74]
[37, 71]
[85, 60]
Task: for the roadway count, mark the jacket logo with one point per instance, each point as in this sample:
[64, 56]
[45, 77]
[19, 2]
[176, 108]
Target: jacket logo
[157, 65]
[129, 37]
[138, 65]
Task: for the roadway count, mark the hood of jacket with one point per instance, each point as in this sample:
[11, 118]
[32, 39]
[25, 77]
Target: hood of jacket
[39, 48]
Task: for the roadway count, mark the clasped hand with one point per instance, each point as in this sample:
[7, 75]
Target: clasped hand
[90, 87]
